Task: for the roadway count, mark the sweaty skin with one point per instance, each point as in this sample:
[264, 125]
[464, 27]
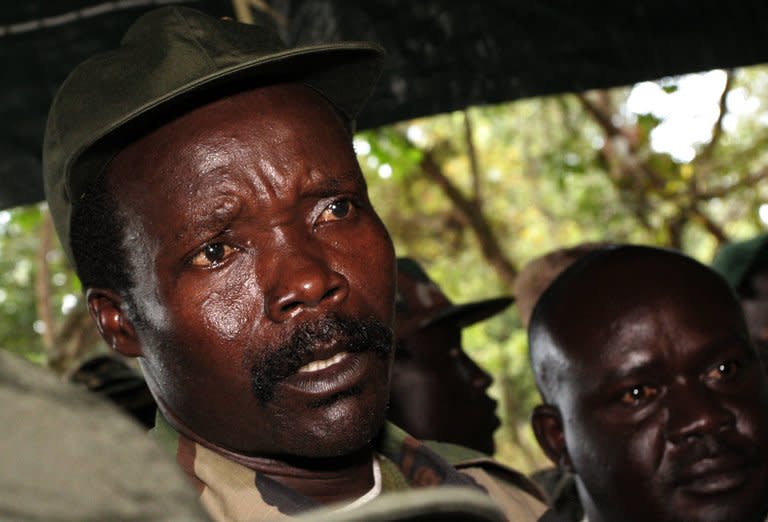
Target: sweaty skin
[248, 220]
[439, 393]
[656, 397]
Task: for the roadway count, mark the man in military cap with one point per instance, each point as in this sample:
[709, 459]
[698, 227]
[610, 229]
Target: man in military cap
[655, 398]
[203, 182]
[744, 264]
[438, 391]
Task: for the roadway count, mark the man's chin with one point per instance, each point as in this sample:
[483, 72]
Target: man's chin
[342, 428]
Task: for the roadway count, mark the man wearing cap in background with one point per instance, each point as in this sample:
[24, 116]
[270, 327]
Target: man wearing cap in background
[744, 264]
[539, 272]
[438, 392]
[203, 183]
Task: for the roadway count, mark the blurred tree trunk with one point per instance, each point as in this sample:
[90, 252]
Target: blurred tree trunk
[66, 343]
[76, 338]
[469, 207]
[43, 289]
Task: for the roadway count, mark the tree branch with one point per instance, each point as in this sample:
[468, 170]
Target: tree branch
[711, 227]
[748, 181]
[717, 129]
[489, 244]
[602, 114]
[474, 169]
[43, 287]
[631, 165]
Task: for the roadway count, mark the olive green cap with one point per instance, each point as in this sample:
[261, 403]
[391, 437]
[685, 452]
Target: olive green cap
[171, 60]
[420, 302]
[736, 261]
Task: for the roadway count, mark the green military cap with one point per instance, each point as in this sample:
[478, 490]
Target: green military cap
[171, 60]
[420, 302]
[736, 261]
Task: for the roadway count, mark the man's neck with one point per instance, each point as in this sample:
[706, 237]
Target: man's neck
[326, 480]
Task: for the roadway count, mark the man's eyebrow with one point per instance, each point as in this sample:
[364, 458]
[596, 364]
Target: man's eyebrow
[216, 215]
[331, 184]
[734, 339]
[637, 364]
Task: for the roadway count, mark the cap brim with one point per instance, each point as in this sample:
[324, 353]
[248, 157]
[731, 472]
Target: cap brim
[470, 313]
[350, 67]
[344, 73]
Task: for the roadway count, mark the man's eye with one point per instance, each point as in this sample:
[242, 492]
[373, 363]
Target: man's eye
[212, 254]
[637, 395]
[339, 209]
[722, 371]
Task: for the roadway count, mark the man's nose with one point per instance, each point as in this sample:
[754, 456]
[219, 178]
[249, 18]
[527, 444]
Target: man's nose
[473, 373]
[695, 410]
[305, 282]
[484, 380]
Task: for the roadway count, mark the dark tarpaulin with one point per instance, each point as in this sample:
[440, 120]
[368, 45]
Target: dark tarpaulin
[443, 54]
[40, 42]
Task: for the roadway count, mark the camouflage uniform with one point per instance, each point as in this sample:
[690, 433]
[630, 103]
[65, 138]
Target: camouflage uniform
[231, 491]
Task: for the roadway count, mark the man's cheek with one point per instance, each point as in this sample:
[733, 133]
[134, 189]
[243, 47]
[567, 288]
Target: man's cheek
[229, 312]
[752, 423]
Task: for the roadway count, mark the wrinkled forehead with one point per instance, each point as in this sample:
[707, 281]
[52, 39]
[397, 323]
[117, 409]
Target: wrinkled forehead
[259, 130]
[275, 114]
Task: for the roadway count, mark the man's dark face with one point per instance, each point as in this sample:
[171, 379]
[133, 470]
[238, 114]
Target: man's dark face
[663, 400]
[265, 278]
[439, 393]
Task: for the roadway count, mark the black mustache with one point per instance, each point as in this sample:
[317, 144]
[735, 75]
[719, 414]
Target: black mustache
[277, 363]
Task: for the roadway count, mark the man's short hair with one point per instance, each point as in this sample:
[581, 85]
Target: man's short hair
[97, 247]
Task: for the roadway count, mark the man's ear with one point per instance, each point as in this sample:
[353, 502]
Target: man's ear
[548, 428]
[106, 308]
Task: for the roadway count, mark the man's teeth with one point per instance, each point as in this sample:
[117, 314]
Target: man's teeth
[320, 365]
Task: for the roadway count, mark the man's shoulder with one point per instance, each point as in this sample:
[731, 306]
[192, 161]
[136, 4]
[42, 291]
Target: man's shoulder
[511, 489]
[467, 459]
[517, 496]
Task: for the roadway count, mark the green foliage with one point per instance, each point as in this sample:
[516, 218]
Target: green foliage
[21, 326]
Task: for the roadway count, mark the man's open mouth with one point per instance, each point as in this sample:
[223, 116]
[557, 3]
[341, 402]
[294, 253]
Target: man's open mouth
[332, 375]
[315, 366]
[333, 353]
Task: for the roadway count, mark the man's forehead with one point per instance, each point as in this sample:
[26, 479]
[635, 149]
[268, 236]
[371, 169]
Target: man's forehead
[606, 338]
[656, 339]
[616, 283]
[236, 130]
[610, 310]
[273, 109]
